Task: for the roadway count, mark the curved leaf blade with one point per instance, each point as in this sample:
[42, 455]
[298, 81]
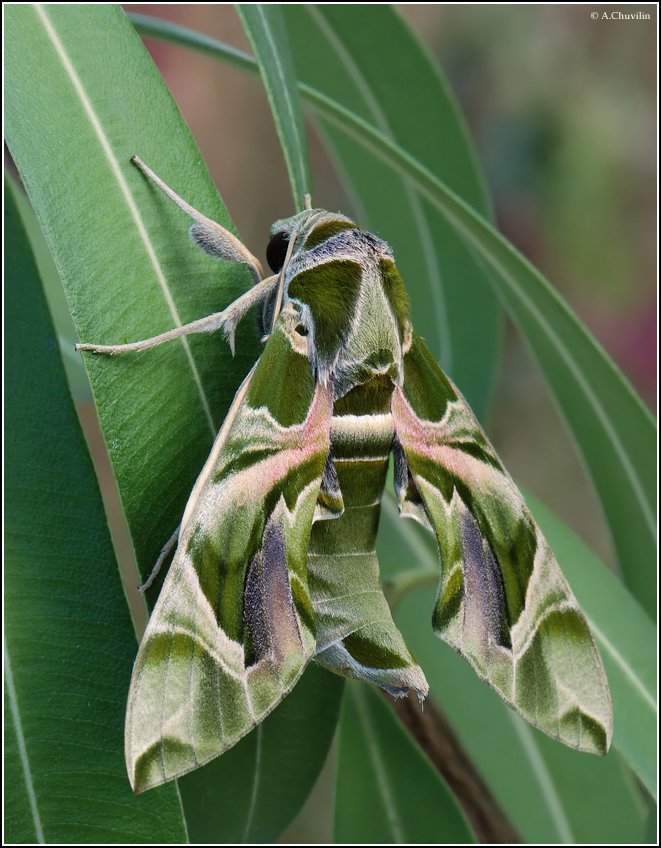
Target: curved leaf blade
[265, 28]
[387, 790]
[158, 412]
[66, 612]
[57, 303]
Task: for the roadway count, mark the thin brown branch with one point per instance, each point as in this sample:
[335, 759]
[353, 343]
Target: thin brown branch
[433, 733]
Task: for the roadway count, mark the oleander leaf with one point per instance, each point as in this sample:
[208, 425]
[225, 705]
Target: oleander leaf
[267, 33]
[387, 789]
[65, 615]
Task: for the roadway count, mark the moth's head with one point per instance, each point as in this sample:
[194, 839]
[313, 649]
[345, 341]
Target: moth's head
[307, 229]
[350, 298]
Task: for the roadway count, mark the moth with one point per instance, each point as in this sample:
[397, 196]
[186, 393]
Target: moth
[275, 563]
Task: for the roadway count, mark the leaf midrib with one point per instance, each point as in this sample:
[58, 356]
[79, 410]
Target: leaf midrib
[14, 710]
[383, 782]
[125, 191]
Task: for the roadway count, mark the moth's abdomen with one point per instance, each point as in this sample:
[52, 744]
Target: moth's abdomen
[356, 636]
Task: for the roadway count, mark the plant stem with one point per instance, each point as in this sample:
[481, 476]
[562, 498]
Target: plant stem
[432, 731]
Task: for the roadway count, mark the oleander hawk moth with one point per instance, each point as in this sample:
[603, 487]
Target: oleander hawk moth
[275, 563]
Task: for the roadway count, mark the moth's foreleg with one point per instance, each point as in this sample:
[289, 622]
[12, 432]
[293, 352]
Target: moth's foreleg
[226, 320]
[167, 548]
[208, 234]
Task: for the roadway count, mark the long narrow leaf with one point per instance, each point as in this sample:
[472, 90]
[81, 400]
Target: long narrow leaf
[613, 430]
[388, 791]
[57, 302]
[68, 637]
[265, 29]
[87, 100]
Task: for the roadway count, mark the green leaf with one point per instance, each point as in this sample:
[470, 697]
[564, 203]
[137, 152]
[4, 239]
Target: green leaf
[536, 780]
[613, 430]
[69, 642]
[387, 789]
[340, 51]
[265, 28]
[76, 113]
[111, 235]
[57, 302]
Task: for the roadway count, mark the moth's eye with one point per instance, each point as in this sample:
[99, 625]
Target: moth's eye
[302, 330]
[277, 250]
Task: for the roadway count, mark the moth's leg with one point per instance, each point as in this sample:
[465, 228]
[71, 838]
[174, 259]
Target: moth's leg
[226, 320]
[171, 542]
[209, 235]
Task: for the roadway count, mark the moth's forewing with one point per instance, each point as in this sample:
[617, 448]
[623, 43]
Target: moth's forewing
[233, 626]
[503, 602]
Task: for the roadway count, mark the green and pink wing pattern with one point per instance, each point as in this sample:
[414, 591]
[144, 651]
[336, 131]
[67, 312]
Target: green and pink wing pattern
[233, 628]
[502, 603]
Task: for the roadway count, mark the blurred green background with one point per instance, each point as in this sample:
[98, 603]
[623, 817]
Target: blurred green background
[562, 111]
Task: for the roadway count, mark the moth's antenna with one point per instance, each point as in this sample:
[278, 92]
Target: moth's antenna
[308, 201]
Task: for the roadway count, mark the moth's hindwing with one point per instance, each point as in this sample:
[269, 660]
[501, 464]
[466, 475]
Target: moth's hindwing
[503, 603]
[233, 627]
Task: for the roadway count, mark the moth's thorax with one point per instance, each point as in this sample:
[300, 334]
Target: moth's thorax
[350, 296]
